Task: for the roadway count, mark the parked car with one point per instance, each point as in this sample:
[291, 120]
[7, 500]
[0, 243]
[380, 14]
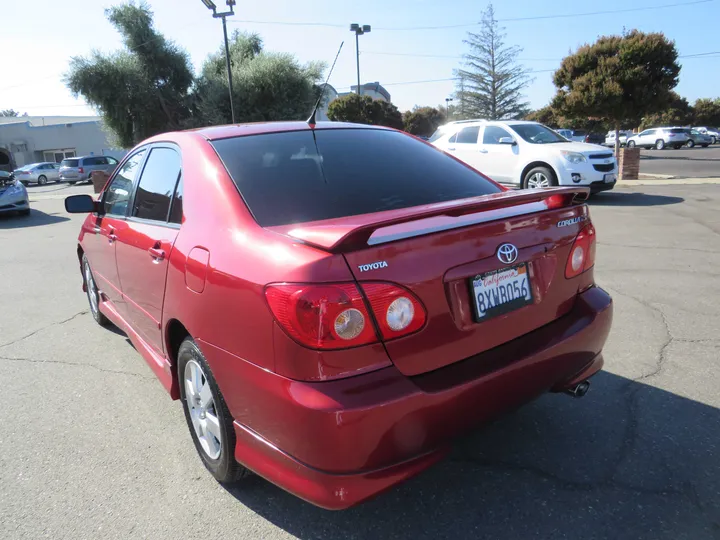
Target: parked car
[712, 132]
[527, 154]
[13, 195]
[622, 135]
[594, 138]
[334, 303]
[38, 173]
[567, 133]
[701, 139]
[79, 169]
[659, 138]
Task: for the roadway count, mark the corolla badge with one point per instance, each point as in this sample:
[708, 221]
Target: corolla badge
[373, 266]
[507, 253]
[572, 221]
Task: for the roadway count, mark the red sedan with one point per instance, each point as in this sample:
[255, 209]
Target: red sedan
[333, 304]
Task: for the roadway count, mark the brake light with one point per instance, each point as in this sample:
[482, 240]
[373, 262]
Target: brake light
[397, 311]
[330, 316]
[80, 170]
[582, 254]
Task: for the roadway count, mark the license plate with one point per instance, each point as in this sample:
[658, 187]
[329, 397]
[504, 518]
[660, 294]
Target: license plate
[500, 291]
[609, 178]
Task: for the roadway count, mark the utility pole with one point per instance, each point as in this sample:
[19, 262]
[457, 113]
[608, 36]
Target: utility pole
[211, 5]
[447, 107]
[359, 31]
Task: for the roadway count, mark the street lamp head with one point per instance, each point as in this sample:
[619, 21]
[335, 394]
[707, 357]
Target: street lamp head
[209, 4]
[366, 28]
[354, 27]
[230, 3]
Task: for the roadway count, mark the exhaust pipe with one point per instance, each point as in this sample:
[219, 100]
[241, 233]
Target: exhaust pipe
[579, 390]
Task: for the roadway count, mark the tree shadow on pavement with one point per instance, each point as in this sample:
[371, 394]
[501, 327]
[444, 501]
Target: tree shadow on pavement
[627, 461]
[620, 198]
[35, 219]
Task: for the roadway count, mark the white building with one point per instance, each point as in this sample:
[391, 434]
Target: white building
[375, 90]
[29, 139]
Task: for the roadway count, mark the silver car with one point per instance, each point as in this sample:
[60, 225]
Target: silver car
[659, 138]
[702, 139]
[13, 195]
[79, 169]
[38, 173]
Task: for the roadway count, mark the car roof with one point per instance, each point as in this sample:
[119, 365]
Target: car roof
[239, 130]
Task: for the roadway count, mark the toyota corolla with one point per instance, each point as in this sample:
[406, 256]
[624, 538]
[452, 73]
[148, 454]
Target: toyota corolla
[333, 304]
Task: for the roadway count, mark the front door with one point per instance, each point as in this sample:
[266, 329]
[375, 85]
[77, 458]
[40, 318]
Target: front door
[501, 160]
[145, 242]
[464, 146]
[99, 245]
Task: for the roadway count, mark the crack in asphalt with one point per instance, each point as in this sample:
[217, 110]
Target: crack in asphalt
[43, 328]
[76, 364]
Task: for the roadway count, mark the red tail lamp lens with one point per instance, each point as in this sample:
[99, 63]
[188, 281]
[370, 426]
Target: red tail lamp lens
[582, 254]
[397, 311]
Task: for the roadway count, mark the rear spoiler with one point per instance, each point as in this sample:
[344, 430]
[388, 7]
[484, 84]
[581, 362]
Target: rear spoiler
[353, 232]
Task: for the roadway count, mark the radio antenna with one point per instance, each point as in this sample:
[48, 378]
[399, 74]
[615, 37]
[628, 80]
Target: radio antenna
[311, 121]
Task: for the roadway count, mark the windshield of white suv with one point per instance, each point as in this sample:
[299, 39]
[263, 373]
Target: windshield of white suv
[537, 133]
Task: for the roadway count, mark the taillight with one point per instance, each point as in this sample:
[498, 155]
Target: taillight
[80, 170]
[335, 316]
[582, 254]
[322, 316]
[397, 311]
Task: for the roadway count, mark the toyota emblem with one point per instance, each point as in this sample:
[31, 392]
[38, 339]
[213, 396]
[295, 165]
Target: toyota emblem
[507, 253]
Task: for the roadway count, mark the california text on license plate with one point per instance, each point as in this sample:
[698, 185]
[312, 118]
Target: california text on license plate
[500, 291]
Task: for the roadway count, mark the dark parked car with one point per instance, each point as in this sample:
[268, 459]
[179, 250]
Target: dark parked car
[334, 303]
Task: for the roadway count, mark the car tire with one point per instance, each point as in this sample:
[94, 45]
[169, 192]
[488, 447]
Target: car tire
[42, 179]
[659, 144]
[690, 143]
[93, 293]
[206, 407]
[713, 140]
[539, 177]
[25, 183]
[71, 182]
[631, 144]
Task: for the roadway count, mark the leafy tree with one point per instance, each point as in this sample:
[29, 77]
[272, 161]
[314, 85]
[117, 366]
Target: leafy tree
[547, 116]
[9, 112]
[142, 90]
[423, 120]
[266, 85]
[365, 110]
[707, 112]
[678, 112]
[618, 79]
[492, 81]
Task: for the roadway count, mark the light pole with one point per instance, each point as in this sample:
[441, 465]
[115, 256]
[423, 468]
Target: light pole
[447, 106]
[211, 5]
[359, 31]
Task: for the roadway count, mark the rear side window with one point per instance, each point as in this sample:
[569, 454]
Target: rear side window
[157, 185]
[286, 178]
[69, 163]
[468, 135]
[678, 130]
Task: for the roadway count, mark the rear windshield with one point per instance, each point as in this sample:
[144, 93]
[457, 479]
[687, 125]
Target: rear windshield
[292, 178]
[69, 163]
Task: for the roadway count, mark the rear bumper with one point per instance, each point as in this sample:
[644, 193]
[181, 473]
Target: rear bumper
[340, 442]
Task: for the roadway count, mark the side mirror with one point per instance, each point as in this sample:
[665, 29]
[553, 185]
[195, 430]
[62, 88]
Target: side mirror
[507, 140]
[80, 204]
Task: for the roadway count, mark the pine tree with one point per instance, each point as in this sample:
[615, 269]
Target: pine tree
[492, 81]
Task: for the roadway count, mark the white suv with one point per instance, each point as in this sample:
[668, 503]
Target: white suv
[527, 154]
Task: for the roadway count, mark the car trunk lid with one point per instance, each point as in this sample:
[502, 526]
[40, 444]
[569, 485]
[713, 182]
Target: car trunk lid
[437, 250]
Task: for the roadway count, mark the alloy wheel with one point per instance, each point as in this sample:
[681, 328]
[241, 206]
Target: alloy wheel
[92, 292]
[538, 180]
[203, 413]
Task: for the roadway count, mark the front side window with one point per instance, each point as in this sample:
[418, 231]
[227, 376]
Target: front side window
[117, 195]
[293, 177]
[493, 134]
[157, 185]
[537, 133]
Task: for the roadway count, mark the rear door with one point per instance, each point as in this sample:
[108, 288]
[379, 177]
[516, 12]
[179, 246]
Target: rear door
[100, 246]
[145, 241]
[464, 146]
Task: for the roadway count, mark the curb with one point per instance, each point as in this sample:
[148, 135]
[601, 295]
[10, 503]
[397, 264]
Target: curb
[654, 175]
[669, 182]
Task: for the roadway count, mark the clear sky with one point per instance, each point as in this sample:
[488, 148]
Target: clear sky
[38, 39]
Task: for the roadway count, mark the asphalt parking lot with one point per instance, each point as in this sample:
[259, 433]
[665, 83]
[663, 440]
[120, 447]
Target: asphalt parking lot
[92, 447]
[695, 162]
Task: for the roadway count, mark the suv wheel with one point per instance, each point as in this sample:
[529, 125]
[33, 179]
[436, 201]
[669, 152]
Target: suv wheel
[690, 143]
[631, 144]
[207, 415]
[539, 177]
[659, 144]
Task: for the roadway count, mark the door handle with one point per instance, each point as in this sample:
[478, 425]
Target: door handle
[157, 254]
[111, 235]
[483, 151]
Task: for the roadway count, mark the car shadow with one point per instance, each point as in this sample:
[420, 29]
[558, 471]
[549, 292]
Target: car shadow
[35, 219]
[626, 461]
[620, 198]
